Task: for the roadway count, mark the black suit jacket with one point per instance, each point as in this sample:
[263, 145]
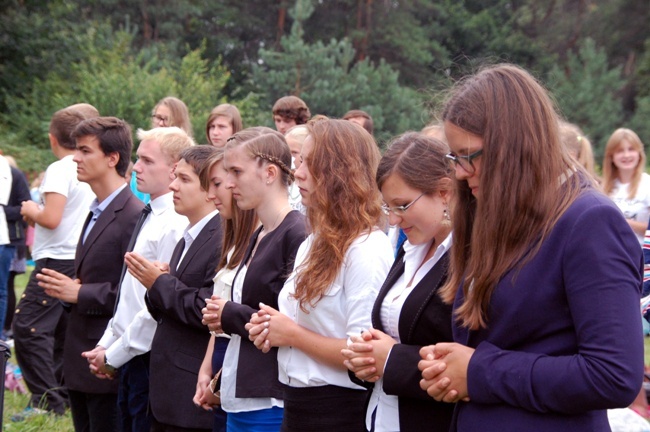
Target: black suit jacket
[19, 193]
[257, 373]
[175, 300]
[424, 320]
[98, 264]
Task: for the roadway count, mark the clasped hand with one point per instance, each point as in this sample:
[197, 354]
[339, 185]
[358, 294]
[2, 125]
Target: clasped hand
[212, 313]
[145, 271]
[444, 371]
[269, 328]
[366, 355]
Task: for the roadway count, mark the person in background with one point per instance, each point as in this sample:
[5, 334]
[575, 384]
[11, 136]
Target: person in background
[289, 111]
[40, 322]
[295, 138]
[223, 122]
[17, 227]
[545, 272]
[625, 180]
[579, 146]
[361, 118]
[171, 111]
[416, 184]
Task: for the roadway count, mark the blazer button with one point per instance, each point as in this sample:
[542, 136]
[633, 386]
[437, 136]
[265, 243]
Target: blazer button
[23, 296]
[33, 330]
[17, 310]
[44, 302]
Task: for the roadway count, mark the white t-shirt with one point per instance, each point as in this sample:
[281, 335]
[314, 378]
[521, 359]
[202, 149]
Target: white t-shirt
[637, 208]
[344, 311]
[5, 190]
[61, 242]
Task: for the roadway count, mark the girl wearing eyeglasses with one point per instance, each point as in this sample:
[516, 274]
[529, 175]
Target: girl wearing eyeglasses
[338, 270]
[415, 183]
[171, 111]
[545, 273]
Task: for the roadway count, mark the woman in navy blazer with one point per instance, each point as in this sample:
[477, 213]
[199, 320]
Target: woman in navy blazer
[545, 272]
[415, 183]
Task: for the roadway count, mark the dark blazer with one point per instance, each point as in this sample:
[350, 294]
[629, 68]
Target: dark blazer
[98, 264]
[564, 339]
[424, 320]
[175, 300]
[19, 193]
[257, 373]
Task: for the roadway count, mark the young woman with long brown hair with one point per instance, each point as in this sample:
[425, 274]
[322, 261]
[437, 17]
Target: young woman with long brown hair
[224, 121]
[257, 161]
[416, 184]
[339, 268]
[545, 272]
[238, 226]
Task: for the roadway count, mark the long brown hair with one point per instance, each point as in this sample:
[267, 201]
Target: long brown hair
[344, 203]
[228, 111]
[237, 230]
[526, 180]
[610, 172]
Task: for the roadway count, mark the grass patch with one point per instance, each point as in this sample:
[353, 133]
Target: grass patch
[14, 402]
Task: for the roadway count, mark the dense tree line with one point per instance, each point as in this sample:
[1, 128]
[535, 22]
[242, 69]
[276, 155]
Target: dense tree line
[391, 58]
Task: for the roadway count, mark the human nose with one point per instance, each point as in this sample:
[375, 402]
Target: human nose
[77, 156]
[229, 183]
[461, 173]
[137, 167]
[394, 219]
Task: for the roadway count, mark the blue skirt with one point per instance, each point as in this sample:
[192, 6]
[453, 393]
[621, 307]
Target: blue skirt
[266, 420]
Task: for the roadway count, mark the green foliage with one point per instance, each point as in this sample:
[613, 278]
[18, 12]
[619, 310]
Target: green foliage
[586, 91]
[328, 79]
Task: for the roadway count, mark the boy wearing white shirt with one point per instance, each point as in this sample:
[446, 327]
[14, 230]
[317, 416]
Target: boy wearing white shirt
[127, 339]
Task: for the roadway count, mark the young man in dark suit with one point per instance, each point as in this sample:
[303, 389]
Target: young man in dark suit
[103, 153]
[175, 300]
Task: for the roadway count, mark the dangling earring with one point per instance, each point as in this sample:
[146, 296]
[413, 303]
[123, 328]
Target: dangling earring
[446, 220]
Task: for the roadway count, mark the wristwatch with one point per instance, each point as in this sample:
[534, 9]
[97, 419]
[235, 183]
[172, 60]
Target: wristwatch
[110, 369]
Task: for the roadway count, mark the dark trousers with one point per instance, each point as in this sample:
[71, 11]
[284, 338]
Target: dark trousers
[220, 416]
[94, 412]
[133, 395]
[156, 426]
[6, 256]
[39, 332]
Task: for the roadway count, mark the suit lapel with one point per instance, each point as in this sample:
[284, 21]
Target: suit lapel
[197, 244]
[393, 275]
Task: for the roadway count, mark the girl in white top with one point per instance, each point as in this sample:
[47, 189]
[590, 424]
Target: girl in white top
[238, 226]
[339, 268]
[257, 161]
[415, 182]
[625, 180]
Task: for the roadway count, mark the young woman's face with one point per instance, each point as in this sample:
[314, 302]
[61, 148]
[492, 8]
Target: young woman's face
[626, 158]
[295, 145]
[303, 176]
[219, 131]
[245, 178]
[161, 117]
[422, 221]
[218, 193]
[463, 144]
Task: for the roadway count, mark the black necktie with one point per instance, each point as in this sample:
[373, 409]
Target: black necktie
[138, 226]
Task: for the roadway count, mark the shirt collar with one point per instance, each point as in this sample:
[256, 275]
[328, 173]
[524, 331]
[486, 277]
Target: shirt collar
[97, 208]
[194, 230]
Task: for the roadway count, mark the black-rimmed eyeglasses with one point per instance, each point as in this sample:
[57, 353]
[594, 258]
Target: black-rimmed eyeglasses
[465, 162]
[399, 210]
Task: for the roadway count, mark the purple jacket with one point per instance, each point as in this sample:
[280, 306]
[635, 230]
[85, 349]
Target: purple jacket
[564, 338]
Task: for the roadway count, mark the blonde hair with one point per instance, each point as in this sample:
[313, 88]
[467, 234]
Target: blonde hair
[578, 145]
[610, 171]
[172, 141]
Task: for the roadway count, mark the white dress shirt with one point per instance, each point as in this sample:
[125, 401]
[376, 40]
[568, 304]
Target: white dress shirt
[229, 401]
[130, 332]
[344, 310]
[387, 407]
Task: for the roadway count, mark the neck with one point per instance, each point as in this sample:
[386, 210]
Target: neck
[272, 214]
[62, 152]
[199, 213]
[625, 176]
[105, 187]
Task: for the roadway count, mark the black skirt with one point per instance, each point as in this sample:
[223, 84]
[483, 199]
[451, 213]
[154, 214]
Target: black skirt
[327, 408]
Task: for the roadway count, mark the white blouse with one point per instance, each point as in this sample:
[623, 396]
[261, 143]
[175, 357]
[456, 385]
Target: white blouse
[636, 208]
[343, 311]
[387, 407]
[229, 402]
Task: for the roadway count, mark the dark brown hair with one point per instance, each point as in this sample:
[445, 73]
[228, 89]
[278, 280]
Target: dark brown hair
[237, 231]
[367, 120]
[65, 120]
[114, 136]
[522, 193]
[292, 108]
